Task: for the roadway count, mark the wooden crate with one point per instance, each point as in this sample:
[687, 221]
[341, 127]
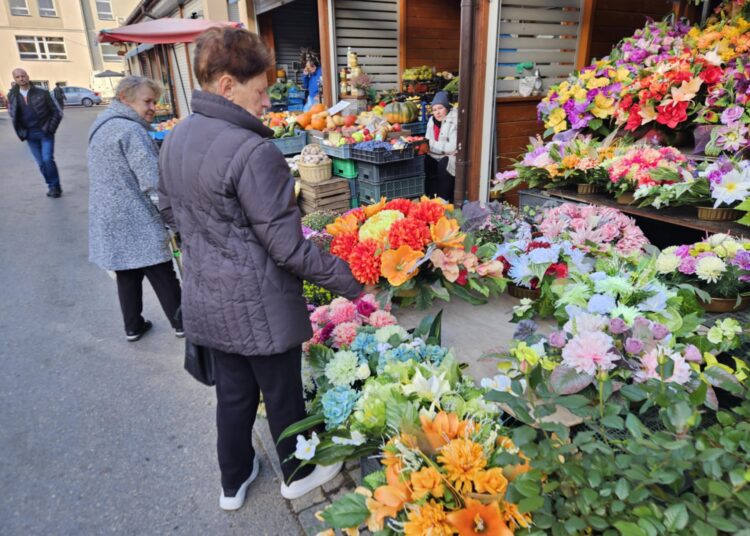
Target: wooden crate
[332, 194]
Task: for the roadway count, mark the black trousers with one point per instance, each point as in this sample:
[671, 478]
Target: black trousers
[130, 290]
[239, 382]
[439, 182]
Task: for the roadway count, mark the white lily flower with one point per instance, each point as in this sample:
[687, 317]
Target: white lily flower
[306, 448]
[431, 388]
[356, 440]
[501, 382]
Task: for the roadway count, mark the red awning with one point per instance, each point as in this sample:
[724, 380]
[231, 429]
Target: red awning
[161, 31]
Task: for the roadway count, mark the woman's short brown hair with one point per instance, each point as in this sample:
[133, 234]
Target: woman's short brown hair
[233, 51]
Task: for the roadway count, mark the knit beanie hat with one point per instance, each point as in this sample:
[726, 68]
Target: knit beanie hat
[441, 97]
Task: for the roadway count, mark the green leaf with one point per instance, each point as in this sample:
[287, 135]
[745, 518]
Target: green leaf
[634, 426]
[614, 421]
[523, 435]
[573, 401]
[599, 523]
[698, 396]
[633, 392]
[374, 480]
[349, 511]
[679, 414]
[530, 504]
[526, 486]
[566, 381]
[676, 517]
[622, 489]
[719, 488]
[718, 377]
[302, 426]
[721, 523]
[627, 528]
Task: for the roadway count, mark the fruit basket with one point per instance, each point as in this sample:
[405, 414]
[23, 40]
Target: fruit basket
[408, 187]
[377, 173]
[314, 165]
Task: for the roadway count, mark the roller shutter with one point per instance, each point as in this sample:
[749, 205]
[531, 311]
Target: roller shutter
[233, 10]
[181, 78]
[295, 26]
[371, 30]
[545, 32]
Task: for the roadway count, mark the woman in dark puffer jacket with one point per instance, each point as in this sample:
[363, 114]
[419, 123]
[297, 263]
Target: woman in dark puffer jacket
[229, 193]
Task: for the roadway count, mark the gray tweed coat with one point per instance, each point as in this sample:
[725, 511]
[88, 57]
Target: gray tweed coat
[125, 228]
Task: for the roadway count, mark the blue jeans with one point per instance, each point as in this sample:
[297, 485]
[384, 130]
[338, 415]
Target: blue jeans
[43, 148]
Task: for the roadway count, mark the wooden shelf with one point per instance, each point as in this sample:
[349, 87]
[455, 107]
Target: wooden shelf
[518, 98]
[679, 216]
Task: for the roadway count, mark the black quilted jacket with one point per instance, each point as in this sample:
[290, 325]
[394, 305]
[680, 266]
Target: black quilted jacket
[49, 114]
[229, 193]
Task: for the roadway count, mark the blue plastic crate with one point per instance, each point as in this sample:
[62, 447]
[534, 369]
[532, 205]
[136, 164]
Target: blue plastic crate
[377, 173]
[382, 156]
[409, 187]
[296, 108]
[418, 128]
[291, 145]
[344, 152]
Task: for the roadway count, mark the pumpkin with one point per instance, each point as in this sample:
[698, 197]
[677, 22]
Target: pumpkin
[319, 123]
[400, 112]
[304, 119]
[317, 108]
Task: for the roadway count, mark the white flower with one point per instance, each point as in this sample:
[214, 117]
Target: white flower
[715, 335]
[431, 388]
[384, 334]
[712, 57]
[363, 371]
[732, 188]
[501, 382]
[710, 269]
[356, 440]
[306, 448]
[667, 263]
[343, 368]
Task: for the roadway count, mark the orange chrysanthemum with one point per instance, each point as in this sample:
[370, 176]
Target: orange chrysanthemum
[411, 232]
[444, 428]
[364, 262]
[427, 211]
[513, 517]
[397, 265]
[446, 233]
[478, 519]
[390, 452]
[342, 245]
[402, 205]
[358, 213]
[426, 481]
[371, 210]
[343, 225]
[430, 518]
[491, 481]
[462, 460]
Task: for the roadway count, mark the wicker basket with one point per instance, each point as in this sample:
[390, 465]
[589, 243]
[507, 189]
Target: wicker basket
[725, 305]
[586, 189]
[314, 174]
[625, 199]
[718, 214]
[522, 292]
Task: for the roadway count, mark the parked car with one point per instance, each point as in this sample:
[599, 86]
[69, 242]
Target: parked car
[81, 96]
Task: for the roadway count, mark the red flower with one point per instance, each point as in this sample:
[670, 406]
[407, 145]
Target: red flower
[537, 245]
[463, 277]
[365, 308]
[359, 213]
[342, 245]
[474, 249]
[681, 76]
[402, 205]
[626, 102]
[634, 119]
[559, 270]
[711, 75]
[414, 233]
[506, 264]
[427, 211]
[364, 262]
[672, 114]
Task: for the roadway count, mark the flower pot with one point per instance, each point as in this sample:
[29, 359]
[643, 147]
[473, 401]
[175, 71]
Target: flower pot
[523, 292]
[718, 214]
[625, 199]
[725, 305]
[587, 189]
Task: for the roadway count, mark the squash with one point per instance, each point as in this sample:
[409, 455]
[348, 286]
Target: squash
[400, 112]
[317, 108]
[319, 123]
[304, 119]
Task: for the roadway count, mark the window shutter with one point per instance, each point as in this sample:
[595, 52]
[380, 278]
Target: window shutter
[545, 32]
[233, 9]
[181, 79]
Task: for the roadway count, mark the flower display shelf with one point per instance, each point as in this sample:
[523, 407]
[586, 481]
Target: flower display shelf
[718, 214]
[522, 292]
[726, 305]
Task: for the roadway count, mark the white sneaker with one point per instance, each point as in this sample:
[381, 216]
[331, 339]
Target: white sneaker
[236, 502]
[320, 475]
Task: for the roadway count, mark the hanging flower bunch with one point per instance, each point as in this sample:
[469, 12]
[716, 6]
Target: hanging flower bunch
[594, 229]
[390, 241]
[441, 478]
[643, 166]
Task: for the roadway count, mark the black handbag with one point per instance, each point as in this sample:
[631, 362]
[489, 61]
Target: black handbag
[199, 362]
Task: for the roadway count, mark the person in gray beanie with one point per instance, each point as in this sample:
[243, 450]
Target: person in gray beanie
[440, 165]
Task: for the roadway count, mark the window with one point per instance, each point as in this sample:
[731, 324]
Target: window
[41, 48]
[110, 52]
[19, 8]
[44, 84]
[47, 8]
[104, 10]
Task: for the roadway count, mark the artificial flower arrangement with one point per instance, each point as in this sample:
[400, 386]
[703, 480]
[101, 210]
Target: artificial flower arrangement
[560, 162]
[719, 266]
[593, 229]
[641, 166]
[366, 383]
[726, 34]
[445, 474]
[415, 250]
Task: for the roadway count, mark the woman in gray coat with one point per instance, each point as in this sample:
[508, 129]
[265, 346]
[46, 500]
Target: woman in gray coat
[229, 192]
[126, 232]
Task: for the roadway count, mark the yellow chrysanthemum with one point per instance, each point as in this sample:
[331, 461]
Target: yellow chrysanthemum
[492, 482]
[377, 227]
[556, 120]
[463, 460]
[430, 518]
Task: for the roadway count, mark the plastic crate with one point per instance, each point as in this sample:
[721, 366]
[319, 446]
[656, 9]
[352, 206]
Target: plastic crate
[344, 168]
[343, 153]
[296, 108]
[377, 173]
[158, 135]
[417, 128]
[354, 189]
[291, 145]
[381, 156]
[408, 187]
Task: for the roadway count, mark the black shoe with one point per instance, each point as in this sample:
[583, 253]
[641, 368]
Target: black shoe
[55, 192]
[134, 336]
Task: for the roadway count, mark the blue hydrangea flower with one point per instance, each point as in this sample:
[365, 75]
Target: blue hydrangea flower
[544, 255]
[364, 345]
[338, 404]
[434, 354]
[402, 354]
[601, 304]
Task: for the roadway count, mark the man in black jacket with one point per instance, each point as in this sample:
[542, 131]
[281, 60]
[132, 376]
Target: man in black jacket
[35, 118]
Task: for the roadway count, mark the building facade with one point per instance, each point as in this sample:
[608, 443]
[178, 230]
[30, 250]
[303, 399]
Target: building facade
[56, 41]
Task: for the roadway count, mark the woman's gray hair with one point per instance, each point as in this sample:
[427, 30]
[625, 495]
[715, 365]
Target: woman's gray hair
[128, 86]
